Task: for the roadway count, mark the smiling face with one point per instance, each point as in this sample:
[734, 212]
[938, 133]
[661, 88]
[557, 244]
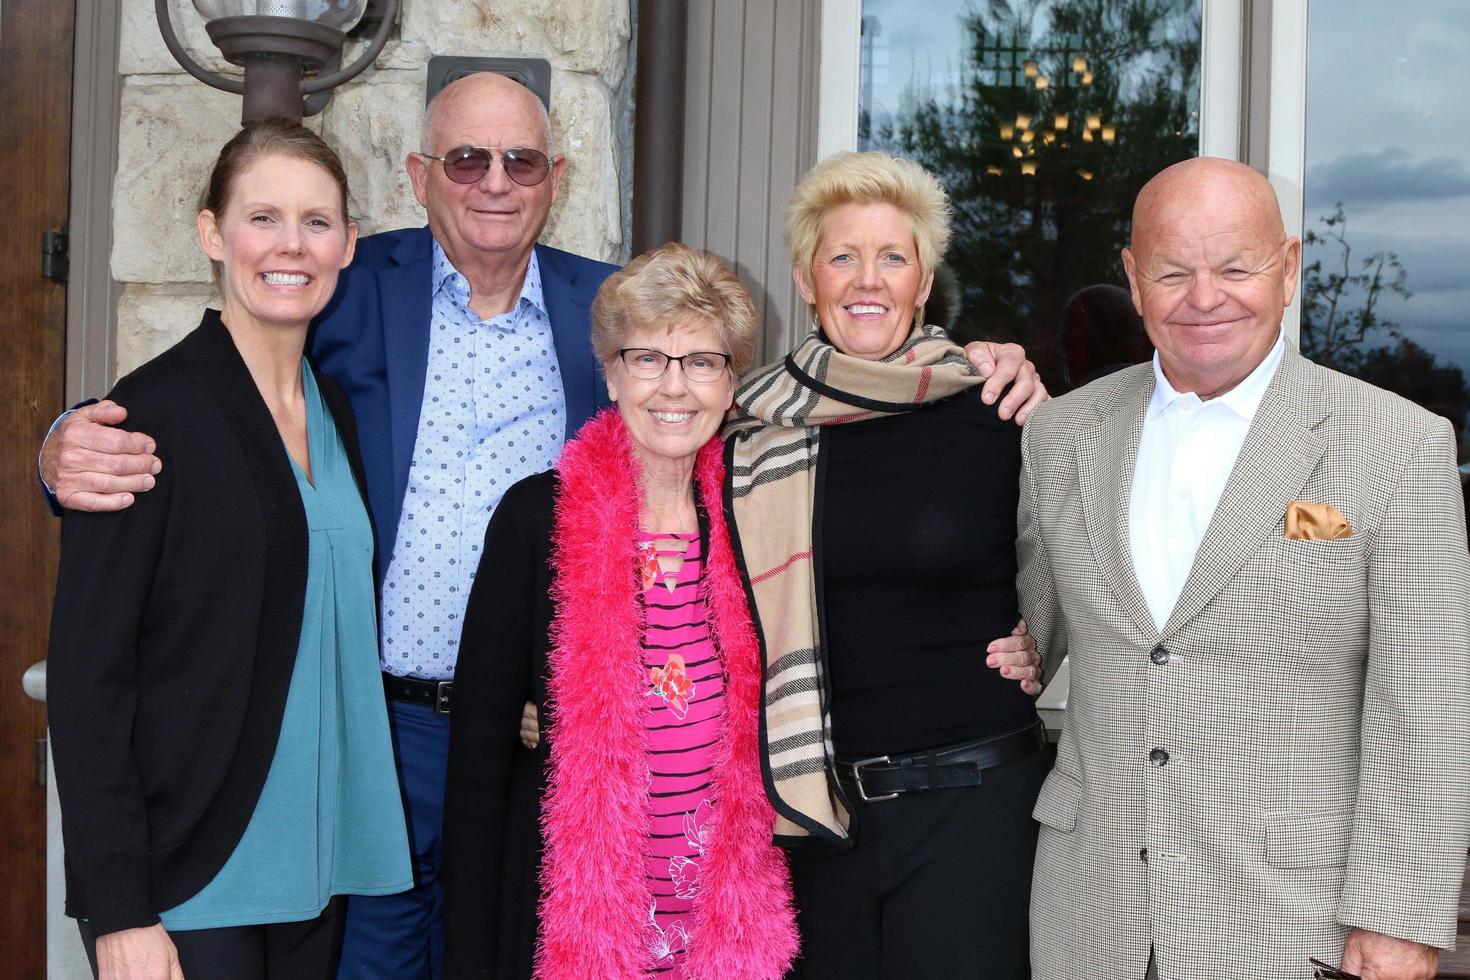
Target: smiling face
[1211, 272]
[866, 281]
[670, 418]
[493, 217]
[281, 239]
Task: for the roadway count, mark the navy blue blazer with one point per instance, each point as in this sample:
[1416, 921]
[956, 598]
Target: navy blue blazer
[373, 340]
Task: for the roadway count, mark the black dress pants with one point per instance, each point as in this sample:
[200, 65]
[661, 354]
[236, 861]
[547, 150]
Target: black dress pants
[938, 886]
[281, 951]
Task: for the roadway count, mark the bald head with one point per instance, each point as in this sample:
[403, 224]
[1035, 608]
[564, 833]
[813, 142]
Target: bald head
[483, 88]
[1211, 271]
[1203, 182]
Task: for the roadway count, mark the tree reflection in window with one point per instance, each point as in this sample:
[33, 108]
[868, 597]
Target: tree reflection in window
[1344, 328]
[1056, 114]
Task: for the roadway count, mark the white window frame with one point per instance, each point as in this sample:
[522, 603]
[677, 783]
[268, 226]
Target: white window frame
[1222, 62]
[837, 81]
[1286, 150]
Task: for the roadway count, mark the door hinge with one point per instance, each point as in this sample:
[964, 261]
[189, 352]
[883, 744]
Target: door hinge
[41, 762]
[55, 260]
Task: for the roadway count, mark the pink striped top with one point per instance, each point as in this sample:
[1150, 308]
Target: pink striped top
[685, 707]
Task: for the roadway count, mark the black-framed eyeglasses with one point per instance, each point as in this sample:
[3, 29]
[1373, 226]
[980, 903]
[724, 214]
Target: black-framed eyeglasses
[647, 364]
[467, 164]
[1322, 971]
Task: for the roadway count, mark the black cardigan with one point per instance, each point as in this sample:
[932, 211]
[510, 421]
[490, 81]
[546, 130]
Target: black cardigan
[174, 636]
[492, 804]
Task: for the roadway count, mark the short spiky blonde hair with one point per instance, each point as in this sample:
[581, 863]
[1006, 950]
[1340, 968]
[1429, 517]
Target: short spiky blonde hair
[867, 178]
[669, 284]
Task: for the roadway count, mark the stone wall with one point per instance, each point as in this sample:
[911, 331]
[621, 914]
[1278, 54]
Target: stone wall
[172, 127]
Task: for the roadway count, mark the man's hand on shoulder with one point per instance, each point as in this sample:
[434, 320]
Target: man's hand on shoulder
[1374, 956]
[1006, 364]
[90, 465]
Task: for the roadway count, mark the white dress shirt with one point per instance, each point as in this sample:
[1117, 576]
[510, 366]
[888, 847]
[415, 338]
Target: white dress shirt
[1185, 455]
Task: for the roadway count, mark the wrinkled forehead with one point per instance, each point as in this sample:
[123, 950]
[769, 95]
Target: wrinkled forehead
[1212, 248]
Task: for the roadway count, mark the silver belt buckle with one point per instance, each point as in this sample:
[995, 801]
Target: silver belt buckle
[857, 777]
[441, 697]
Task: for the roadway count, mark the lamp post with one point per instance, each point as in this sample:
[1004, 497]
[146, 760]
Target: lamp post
[277, 42]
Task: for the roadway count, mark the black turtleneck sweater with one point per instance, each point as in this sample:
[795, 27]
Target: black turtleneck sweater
[918, 574]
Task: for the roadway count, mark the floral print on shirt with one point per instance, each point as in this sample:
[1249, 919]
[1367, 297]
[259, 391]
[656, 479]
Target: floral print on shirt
[671, 682]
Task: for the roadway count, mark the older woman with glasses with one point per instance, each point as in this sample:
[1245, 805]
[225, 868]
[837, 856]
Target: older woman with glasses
[874, 502]
[636, 837]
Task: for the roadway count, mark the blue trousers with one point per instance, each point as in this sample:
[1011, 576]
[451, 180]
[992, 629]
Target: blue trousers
[401, 937]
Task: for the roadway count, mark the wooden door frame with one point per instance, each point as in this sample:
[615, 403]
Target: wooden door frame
[36, 66]
[91, 331]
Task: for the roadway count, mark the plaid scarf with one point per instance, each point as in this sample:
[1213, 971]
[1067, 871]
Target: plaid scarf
[774, 441]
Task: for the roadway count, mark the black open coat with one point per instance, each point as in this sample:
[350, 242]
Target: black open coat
[174, 637]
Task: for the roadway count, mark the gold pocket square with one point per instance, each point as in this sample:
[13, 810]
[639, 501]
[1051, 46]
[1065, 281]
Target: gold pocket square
[1306, 521]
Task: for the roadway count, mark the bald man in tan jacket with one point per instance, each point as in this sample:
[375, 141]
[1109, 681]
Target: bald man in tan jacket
[1259, 570]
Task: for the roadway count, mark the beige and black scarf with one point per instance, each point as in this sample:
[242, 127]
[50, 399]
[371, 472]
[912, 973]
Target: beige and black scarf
[774, 441]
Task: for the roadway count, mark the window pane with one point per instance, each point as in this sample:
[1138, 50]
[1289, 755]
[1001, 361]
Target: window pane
[1386, 285]
[1043, 119]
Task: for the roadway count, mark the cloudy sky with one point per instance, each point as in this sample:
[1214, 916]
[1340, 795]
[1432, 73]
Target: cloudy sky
[1388, 134]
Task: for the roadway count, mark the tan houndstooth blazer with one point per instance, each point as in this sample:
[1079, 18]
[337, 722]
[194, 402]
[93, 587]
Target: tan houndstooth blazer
[1313, 697]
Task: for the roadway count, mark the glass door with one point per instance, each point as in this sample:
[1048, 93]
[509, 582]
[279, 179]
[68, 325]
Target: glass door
[1043, 118]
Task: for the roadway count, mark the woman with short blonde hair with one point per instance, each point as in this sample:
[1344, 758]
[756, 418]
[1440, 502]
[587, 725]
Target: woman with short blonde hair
[874, 501]
[869, 178]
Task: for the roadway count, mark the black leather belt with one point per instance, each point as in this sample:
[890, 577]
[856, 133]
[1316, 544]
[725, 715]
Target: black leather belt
[884, 777]
[435, 694]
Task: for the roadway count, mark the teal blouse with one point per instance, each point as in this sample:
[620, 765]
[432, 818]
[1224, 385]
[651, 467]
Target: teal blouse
[329, 820]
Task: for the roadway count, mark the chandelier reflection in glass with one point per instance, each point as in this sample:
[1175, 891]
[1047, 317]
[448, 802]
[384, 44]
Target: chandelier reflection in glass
[1066, 92]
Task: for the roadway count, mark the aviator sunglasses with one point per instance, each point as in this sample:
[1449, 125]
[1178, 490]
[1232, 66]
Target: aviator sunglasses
[467, 164]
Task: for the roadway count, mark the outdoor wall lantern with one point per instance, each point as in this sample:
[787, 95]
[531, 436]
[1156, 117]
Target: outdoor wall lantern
[278, 42]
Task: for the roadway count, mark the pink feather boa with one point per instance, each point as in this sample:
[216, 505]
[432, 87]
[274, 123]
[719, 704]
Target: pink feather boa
[595, 901]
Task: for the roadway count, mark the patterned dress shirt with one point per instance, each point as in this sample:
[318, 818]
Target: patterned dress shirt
[493, 412]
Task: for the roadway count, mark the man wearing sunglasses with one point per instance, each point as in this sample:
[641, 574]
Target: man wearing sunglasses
[488, 369]
[464, 347]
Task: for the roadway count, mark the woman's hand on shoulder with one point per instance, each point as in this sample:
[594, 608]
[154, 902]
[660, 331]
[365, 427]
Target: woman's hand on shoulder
[530, 726]
[146, 953]
[1015, 656]
[1006, 364]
